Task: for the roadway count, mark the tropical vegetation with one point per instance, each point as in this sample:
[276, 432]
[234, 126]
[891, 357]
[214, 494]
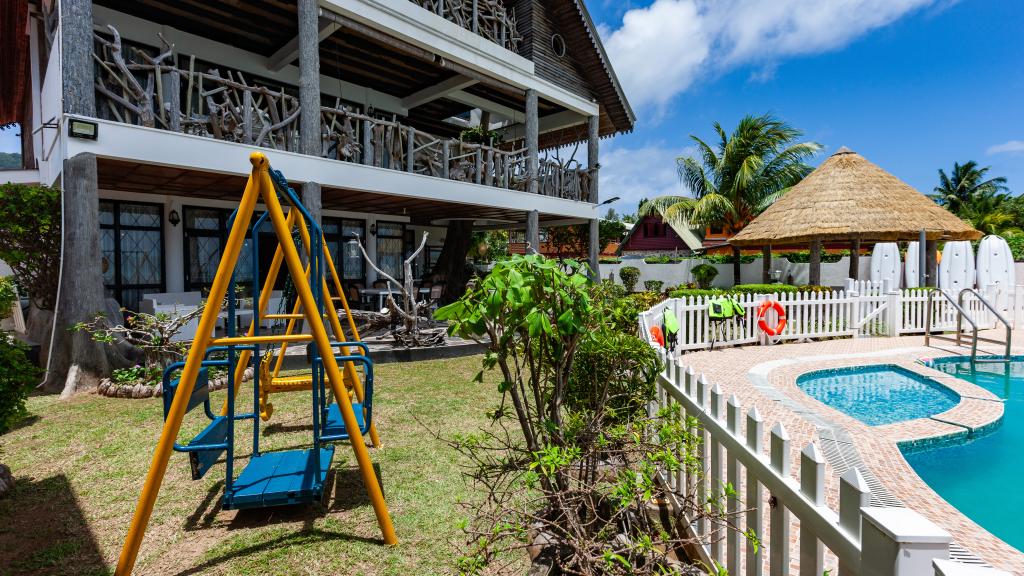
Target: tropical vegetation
[983, 201]
[736, 178]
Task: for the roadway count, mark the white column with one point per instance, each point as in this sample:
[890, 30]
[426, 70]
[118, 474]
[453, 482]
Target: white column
[174, 248]
[900, 542]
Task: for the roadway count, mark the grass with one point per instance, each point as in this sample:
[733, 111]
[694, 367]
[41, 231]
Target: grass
[79, 466]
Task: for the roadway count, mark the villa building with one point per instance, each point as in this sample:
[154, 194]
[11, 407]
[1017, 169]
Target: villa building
[393, 117]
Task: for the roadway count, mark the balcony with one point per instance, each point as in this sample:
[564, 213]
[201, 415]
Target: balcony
[487, 18]
[140, 87]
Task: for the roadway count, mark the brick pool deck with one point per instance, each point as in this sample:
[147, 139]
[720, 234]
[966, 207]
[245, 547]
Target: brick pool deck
[765, 376]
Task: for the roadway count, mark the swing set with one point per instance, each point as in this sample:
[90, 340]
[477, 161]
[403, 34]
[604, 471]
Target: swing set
[280, 477]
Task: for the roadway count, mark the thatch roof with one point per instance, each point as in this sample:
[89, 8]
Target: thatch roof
[848, 197]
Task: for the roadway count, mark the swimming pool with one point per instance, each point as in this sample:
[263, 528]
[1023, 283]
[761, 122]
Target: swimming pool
[878, 394]
[980, 477]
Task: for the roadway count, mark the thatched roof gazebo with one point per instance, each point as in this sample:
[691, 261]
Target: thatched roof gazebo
[849, 199]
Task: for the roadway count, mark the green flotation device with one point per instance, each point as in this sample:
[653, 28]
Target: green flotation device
[671, 322]
[725, 308]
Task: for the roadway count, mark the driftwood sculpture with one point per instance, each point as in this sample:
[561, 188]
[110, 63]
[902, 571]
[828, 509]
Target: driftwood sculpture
[412, 333]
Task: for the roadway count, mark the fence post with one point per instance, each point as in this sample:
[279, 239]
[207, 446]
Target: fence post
[894, 305]
[854, 494]
[812, 484]
[702, 491]
[754, 502]
[900, 542]
[778, 546]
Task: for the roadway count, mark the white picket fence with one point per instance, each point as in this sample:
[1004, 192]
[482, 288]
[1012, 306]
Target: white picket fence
[864, 539]
[863, 309]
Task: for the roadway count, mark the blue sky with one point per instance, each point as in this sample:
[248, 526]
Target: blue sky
[913, 85]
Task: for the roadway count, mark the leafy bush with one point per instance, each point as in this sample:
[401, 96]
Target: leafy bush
[804, 256]
[631, 377]
[664, 259]
[148, 375]
[571, 460]
[1016, 247]
[30, 239]
[623, 309]
[609, 260]
[17, 376]
[629, 275]
[653, 285]
[763, 289]
[8, 296]
[728, 258]
[704, 275]
[695, 292]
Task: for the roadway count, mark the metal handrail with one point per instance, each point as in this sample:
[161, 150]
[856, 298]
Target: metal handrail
[961, 314]
[996, 313]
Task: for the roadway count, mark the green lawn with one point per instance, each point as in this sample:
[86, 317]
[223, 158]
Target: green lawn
[80, 463]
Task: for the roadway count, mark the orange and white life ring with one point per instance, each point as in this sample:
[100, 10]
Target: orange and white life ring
[657, 336]
[762, 323]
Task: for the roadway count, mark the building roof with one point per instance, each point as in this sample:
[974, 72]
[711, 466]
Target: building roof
[616, 114]
[684, 233]
[849, 197]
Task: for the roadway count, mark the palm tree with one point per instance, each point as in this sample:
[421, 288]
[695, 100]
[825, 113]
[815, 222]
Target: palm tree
[965, 183]
[734, 181]
[991, 214]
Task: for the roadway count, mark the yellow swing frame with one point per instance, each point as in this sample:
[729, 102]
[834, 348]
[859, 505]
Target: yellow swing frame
[259, 186]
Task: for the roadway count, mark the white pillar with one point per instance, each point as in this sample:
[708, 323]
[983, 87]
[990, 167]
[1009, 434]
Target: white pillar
[900, 542]
[174, 248]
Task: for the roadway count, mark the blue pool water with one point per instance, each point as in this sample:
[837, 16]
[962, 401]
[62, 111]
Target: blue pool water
[879, 394]
[981, 476]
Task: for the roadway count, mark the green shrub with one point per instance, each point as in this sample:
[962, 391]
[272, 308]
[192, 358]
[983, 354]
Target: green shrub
[704, 275]
[804, 256]
[664, 259]
[727, 258]
[1016, 247]
[30, 239]
[629, 275]
[609, 260]
[763, 289]
[653, 285]
[17, 376]
[8, 296]
[696, 292]
[629, 380]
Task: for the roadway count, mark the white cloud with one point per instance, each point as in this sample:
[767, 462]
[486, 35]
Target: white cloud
[1009, 147]
[636, 173]
[663, 49]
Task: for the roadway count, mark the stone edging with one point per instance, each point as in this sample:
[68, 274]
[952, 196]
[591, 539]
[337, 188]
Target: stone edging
[111, 389]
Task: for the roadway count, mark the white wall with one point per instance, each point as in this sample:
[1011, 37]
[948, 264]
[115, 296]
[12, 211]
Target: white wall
[832, 274]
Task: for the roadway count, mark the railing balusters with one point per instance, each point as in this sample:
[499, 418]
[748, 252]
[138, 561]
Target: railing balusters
[716, 472]
[812, 485]
[754, 502]
[778, 548]
[410, 149]
[732, 466]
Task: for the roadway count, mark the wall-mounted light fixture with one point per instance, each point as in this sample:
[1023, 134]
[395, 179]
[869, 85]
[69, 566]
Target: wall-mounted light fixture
[83, 129]
[373, 229]
[174, 218]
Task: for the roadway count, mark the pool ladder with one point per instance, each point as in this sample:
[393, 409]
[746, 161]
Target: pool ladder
[962, 314]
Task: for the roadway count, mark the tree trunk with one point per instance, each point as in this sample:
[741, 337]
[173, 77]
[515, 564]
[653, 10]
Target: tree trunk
[855, 258]
[736, 265]
[75, 359]
[451, 265]
[766, 264]
[814, 278]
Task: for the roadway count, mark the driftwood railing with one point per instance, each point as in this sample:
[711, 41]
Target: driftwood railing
[150, 90]
[488, 18]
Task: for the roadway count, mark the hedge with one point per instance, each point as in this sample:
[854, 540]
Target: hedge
[747, 289]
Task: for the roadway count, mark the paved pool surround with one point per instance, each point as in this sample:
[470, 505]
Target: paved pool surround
[766, 376]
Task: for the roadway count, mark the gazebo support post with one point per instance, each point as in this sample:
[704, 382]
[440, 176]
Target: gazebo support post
[932, 249]
[855, 258]
[766, 264]
[814, 278]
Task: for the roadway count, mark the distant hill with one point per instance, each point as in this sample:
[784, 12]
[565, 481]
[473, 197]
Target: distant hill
[9, 161]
